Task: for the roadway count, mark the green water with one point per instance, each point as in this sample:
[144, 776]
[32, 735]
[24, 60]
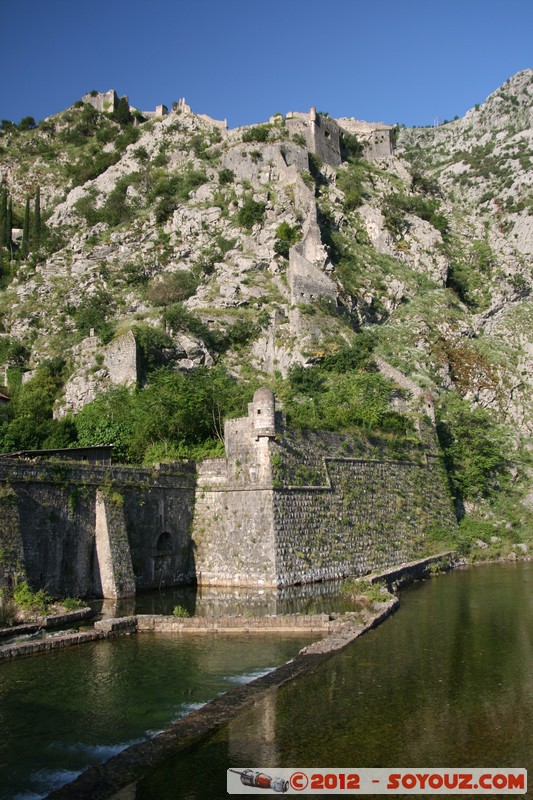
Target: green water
[447, 681]
[310, 598]
[63, 711]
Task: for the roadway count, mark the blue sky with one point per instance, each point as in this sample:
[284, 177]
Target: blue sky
[409, 62]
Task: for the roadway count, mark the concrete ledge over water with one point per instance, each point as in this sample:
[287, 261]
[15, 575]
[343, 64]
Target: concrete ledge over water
[287, 623]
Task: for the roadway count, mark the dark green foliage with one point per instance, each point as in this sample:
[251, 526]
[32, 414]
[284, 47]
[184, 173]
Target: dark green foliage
[424, 184]
[30, 420]
[171, 190]
[128, 136]
[474, 449]
[178, 318]
[251, 213]
[224, 245]
[25, 246]
[86, 208]
[14, 352]
[153, 345]
[90, 167]
[259, 133]
[171, 288]
[37, 224]
[200, 146]
[240, 333]
[286, 236]
[94, 312]
[345, 401]
[351, 180]
[355, 356]
[122, 114]
[108, 420]
[90, 133]
[26, 124]
[174, 415]
[344, 392]
[396, 206]
[86, 125]
[135, 274]
[306, 380]
[116, 210]
[226, 176]
[352, 147]
[469, 268]
[141, 154]
[63, 434]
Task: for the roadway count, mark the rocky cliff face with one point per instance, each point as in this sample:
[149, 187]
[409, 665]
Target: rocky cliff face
[245, 234]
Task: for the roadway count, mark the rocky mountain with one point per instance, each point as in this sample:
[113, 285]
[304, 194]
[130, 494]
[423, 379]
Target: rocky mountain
[274, 245]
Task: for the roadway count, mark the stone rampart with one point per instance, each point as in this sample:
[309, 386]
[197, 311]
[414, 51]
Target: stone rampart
[282, 508]
[333, 505]
[102, 101]
[375, 137]
[321, 134]
[143, 515]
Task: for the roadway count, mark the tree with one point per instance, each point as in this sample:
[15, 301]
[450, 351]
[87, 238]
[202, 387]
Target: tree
[9, 224]
[37, 225]
[474, 449]
[3, 218]
[108, 420]
[122, 115]
[25, 247]
[26, 124]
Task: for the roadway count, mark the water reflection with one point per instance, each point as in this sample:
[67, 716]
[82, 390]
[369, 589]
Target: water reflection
[445, 682]
[312, 598]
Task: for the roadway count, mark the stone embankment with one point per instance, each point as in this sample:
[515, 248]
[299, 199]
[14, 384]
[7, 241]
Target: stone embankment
[338, 629]
[47, 623]
[52, 642]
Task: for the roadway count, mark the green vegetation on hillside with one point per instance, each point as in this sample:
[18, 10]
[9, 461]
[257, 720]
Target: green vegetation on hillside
[146, 249]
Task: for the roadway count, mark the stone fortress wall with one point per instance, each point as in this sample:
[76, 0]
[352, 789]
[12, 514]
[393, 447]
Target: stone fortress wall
[282, 508]
[80, 530]
[323, 135]
[286, 508]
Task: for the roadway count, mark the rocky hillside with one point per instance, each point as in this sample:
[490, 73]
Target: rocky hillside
[175, 242]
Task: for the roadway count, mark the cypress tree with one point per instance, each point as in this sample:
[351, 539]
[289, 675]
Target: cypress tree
[123, 114]
[25, 248]
[9, 225]
[3, 218]
[36, 238]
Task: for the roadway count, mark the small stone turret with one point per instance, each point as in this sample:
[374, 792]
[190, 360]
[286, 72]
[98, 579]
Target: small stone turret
[262, 411]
